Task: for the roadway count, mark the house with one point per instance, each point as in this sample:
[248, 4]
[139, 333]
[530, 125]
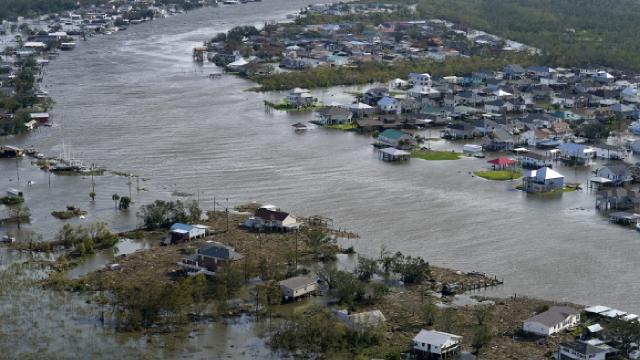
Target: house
[268, 217]
[420, 79]
[531, 160]
[180, 232]
[582, 350]
[396, 138]
[442, 344]
[457, 131]
[543, 180]
[554, 320]
[617, 173]
[610, 152]
[579, 153]
[361, 320]
[361, 110]
[298, 286]
[514, 71]
[300, 97]
[372, 96]
[389, 105]
[499, 140]
[331, 115]
[40, 117]
[208, 257]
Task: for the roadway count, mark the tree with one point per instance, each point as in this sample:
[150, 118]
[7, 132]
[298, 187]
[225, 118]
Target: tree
[125, 202]
[429, 313]
[92, 195]
[366, 268]
[481, 337]
[20, 214]
[482, 314]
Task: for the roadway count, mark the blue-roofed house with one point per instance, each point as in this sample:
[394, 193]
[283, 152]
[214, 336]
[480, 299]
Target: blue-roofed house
[184, 232]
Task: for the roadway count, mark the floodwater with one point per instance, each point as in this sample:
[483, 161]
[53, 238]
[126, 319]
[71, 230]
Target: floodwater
[135, 102]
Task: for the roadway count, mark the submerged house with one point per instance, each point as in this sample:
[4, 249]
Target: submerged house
[531, 160]
[332, 115]
[580, 153]
[396, 138]
[618, 174]
[300, 98]
[542, 180]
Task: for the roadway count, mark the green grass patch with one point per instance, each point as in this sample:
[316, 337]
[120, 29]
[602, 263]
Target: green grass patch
[499, 175]
[435, 155]
[11, 200]
[343, 127]
[283, 105]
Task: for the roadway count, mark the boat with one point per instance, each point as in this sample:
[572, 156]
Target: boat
[231, 2]
[299, 126]
[638, 226]
[67, 46]
[8, 239]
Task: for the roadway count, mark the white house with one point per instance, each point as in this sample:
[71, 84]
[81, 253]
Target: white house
[554, 320]
[543, 180]
[531, 160]
[436, 342]
[610, 152]
[423, 79]
[269, 218]
[330, 115]
[577, 152]
[398, 84]
[618, 173]
[297, 286]
[300, 97]
[581, 350]
[183, 232]
[389, 105]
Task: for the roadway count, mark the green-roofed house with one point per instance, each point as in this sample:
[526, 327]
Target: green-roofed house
[567, 115]
[396, 138]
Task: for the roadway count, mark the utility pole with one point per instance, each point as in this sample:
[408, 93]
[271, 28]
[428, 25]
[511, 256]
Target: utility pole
[18, 168]
[226, 210]
[297, 250]
[129, 183]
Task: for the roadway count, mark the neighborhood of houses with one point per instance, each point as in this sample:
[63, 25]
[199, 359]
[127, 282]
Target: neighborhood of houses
[590, 342]
[44, 37]
[345, 43]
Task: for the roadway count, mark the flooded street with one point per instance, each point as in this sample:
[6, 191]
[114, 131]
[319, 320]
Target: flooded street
[135, 102]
